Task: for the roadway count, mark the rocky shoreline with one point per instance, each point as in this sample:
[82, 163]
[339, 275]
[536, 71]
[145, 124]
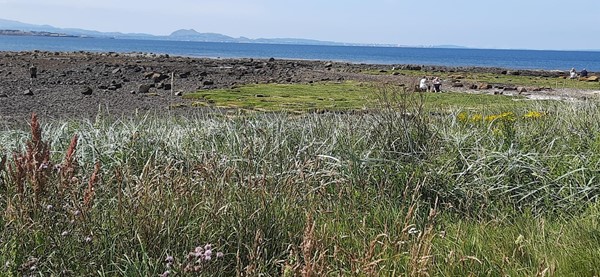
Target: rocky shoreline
[80, 84]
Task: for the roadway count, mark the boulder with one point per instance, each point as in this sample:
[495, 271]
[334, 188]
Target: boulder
[473, 86]
[87, 91]
[144, 88]
[184, 74]
[485, 86]
[115, 86]
[591, 79]
[158, 77]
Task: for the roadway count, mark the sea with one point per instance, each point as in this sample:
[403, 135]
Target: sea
[509, 59]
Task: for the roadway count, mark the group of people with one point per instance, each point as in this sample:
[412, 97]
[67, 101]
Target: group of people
[425, 84]
[573, 73]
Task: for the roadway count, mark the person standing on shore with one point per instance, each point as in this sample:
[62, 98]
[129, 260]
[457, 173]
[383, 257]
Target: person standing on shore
[437, 84]
[583, 73]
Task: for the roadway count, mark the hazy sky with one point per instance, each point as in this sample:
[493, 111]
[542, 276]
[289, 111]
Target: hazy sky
[531, 24]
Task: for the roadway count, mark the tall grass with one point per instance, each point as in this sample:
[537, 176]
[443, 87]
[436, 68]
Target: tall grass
[404, 191]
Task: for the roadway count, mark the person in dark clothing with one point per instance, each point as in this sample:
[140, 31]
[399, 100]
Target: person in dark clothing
[583, 73]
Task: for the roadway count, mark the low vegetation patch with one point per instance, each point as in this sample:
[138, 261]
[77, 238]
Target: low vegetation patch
[346, 96]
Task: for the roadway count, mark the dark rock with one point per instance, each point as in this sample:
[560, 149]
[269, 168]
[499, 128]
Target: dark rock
[3, 95]
[473, 86]
[87, 91]
[184, 74]
[271, 60]
[203, 74]
[167, 86]
[102, 87]
[208, 83]
[28, 92]
[144, 88]
[457, 85]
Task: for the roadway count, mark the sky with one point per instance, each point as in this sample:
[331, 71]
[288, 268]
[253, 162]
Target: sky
[499, 24]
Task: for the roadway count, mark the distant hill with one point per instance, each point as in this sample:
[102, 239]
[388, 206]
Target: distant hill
[192, 35]
[8, 27]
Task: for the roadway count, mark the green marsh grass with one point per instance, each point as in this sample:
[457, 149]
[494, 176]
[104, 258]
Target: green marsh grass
[401, 190]
[337, 97]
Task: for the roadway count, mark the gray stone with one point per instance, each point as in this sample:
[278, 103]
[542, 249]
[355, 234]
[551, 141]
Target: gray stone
[28, 92]
[144, 88]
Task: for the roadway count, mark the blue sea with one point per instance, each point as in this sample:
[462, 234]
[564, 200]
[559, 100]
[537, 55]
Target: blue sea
[510, 59]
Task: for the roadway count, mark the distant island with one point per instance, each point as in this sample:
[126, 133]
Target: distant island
[32, 33]
[16, 28]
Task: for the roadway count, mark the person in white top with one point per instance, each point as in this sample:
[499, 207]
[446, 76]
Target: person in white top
[572, 74]
[423, 86]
